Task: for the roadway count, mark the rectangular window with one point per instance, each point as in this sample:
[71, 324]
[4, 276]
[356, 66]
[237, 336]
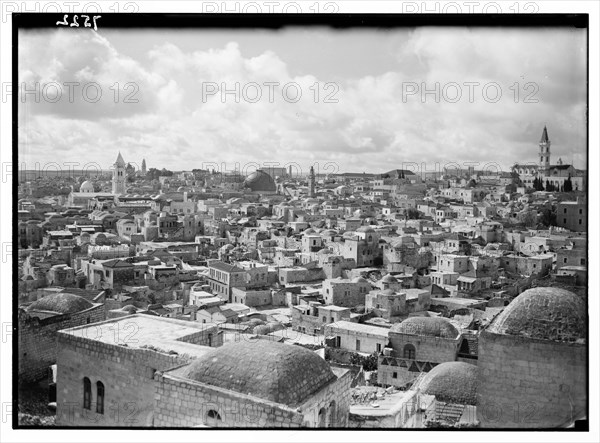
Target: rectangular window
[358, 345]
[579, 221]
[394, 375]
[378, 347]
[582, 262]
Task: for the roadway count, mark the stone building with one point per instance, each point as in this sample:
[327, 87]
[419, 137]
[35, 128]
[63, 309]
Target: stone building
[416, 345]
[344, 337]
[345, 292]
[533, 362]
[106, 371]
[223, 277]
[310, 319]
[389, 304]
[572, 216]
[38, 326]
[254, 383]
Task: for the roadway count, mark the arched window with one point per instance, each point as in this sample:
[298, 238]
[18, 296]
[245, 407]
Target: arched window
[410, 352]
[87, 393]
[321, 421]
[213, 419]
[100, 397]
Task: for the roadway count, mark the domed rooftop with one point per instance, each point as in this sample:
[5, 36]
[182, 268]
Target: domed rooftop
[87, 186]
[278, 372]
[389, 278]
[129, 308]
[426, 326]
[260, 181]
[359, 279]
[452, 382]
[61, 303]
[543, 313]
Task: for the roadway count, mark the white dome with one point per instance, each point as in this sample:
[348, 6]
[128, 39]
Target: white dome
[87, 186]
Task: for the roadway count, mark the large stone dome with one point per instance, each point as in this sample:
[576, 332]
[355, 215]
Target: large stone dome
[544, 313]
[452, 382]
[260, 181]
[426, 326]
[278, 372]
[61, 303]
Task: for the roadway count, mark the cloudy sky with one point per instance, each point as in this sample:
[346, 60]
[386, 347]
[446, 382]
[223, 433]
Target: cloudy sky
[361, 108]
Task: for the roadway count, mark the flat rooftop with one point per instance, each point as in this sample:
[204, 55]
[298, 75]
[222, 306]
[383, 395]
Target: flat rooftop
[139, 330]
[359, 327]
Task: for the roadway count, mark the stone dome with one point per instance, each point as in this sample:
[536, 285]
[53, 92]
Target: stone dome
[87, 186]
[61, 303]
[129, 308]
[426, 326]
[544, 313]
[260, 181]
[359, 279]
[452, 382]
[389, 278]
[282, 373]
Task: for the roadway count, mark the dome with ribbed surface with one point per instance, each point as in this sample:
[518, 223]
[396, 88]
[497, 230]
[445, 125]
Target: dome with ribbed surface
[544, 313]
[260, 181]
[452, 382]
[426, 326]
[282, 373]
[61, 303]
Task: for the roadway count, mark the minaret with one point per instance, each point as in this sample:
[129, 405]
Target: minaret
[311, 183]
[118, 181]
[144, 166]
[544, 153]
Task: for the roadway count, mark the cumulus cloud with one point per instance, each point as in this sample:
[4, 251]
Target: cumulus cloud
[221, 104]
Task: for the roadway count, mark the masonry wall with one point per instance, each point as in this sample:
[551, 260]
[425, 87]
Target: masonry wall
[38, 340]
[395, 370]
[183, 402]
[348, 337]
[126, 372]
[127, 375]
[432, 349]
[529, 383]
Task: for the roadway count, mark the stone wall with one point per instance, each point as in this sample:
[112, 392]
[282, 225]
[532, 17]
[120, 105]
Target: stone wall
[427, 348]
[127, 374]
[529, 383]
[38, 340]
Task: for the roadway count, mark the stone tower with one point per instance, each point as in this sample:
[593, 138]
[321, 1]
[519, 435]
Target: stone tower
[119, 176]
[311, 183]
[144, 166]
[544, 153]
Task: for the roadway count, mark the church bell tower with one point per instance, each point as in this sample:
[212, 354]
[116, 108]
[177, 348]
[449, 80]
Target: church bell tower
[118, 181]
[544, 153]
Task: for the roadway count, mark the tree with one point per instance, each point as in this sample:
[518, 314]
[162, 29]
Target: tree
[413, 214]
[568, 186]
